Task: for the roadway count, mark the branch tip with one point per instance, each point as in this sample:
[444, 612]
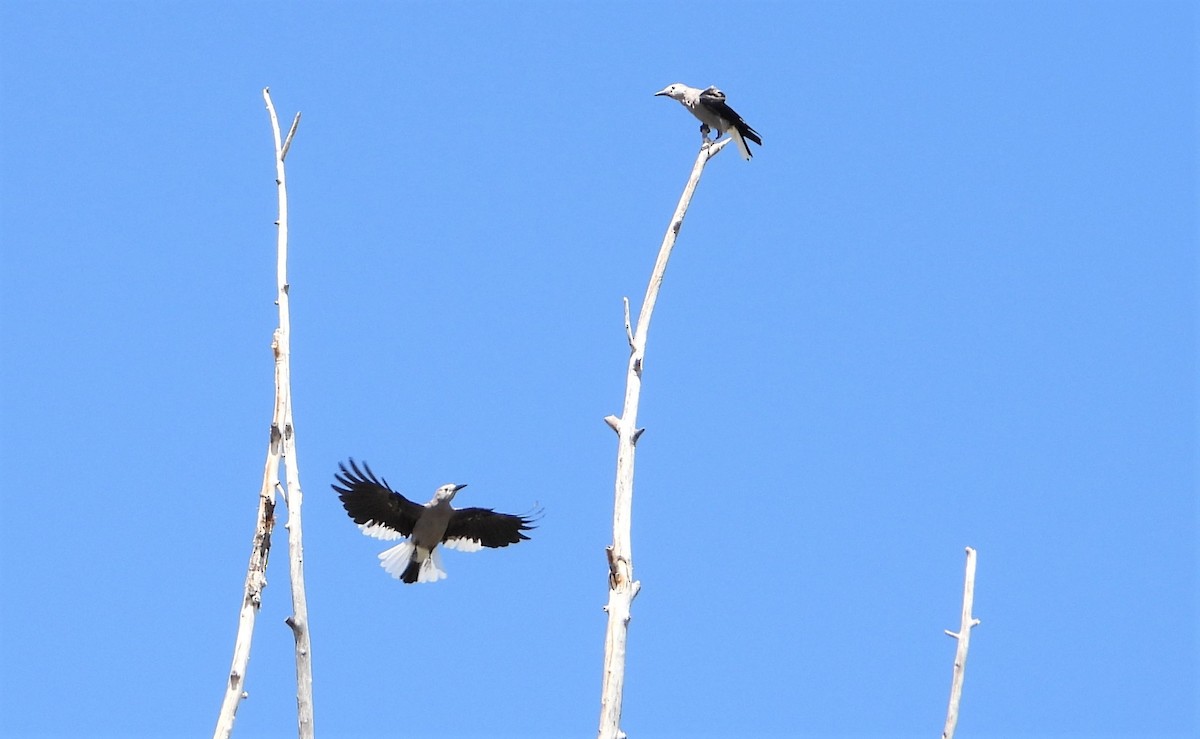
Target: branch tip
[287, 144]
[628, 324]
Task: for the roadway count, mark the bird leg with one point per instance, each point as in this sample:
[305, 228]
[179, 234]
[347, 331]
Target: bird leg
[704, 129]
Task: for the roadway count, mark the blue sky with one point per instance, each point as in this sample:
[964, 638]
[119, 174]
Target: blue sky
[952, 301]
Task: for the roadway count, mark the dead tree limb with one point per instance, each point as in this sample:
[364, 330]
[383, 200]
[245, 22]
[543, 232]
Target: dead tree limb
[964, 641]
[293, 497]
[622, 588]
[280, 447]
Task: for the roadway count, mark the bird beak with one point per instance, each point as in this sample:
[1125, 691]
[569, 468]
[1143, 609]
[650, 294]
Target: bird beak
[662, 91]
[459, 487]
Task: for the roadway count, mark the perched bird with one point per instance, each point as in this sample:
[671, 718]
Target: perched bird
[709, 106]
[383, 513]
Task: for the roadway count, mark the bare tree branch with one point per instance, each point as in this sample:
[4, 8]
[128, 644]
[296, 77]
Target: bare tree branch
[256, 582]
[964, 641]
[298, 621]
[287, 144]
[281, 447]
[622, 587]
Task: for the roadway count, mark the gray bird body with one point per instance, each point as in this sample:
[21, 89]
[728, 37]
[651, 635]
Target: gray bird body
[428, 532]
[714, 113]
[431, 526]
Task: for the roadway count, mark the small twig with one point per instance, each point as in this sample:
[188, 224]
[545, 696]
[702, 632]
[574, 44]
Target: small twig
[287, 144]
[613, 572]
[712, 147]
[628, 325]
[963, 635]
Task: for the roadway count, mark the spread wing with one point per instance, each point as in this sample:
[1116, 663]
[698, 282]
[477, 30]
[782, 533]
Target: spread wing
[473, 528]
[377, 509]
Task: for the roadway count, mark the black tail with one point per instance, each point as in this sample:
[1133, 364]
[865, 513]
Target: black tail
[411, 572]
[748, 132]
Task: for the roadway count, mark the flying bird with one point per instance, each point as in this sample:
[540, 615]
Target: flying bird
[383, 513]
[710, 107]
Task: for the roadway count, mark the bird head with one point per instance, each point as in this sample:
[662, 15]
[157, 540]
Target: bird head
[446, 492]
[674, 91]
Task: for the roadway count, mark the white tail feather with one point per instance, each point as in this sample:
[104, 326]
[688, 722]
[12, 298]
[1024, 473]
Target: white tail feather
[395, 560]
[740, 141]
[431, 568]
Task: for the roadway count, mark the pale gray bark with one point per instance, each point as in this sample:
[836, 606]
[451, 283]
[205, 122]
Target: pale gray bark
[964, 641]
[622, 587]
[280, 448]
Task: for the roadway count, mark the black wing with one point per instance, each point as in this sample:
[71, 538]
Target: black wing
[487, 528]
[371, 503]
[714, 100]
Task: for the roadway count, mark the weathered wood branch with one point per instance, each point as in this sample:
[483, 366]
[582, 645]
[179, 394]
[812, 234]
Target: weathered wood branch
[622, 587]
[963, 635]
[298, 621]
[280, 447]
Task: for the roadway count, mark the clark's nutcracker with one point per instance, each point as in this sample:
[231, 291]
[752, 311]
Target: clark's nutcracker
[709, 106]
[383, 513]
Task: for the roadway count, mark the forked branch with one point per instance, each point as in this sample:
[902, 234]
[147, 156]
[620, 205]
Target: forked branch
[281, 446]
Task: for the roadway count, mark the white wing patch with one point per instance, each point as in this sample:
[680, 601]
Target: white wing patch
[463, 545]
[376, 530]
